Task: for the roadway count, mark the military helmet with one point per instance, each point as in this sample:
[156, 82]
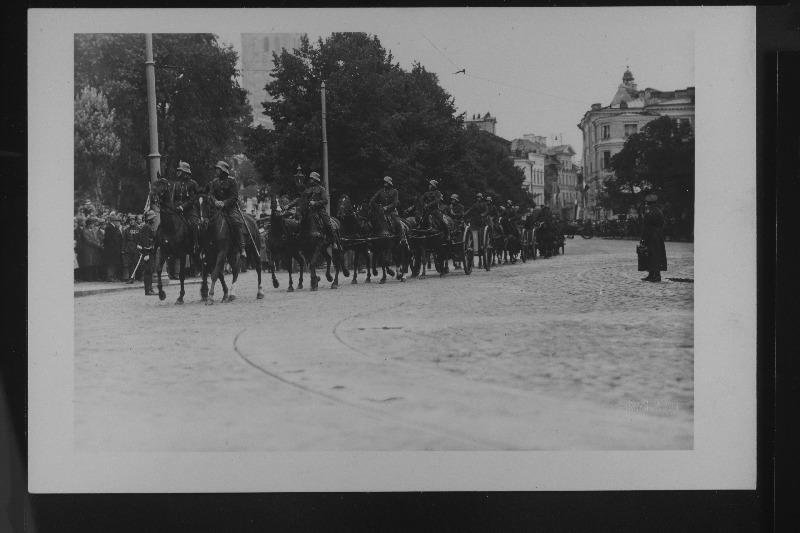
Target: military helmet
[314, 176]
[434, 183]
[454, 197]
[223, 166]
[184, 166]
[150, 215]
[651, 198]
[388, 180]
[480, 195]
[488, 198]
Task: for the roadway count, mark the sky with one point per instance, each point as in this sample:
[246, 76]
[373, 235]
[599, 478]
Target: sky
[536, 70]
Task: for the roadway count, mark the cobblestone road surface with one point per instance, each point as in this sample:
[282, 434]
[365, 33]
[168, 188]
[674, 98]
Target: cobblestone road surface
[573, 352]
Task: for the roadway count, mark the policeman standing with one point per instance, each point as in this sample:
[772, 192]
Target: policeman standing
[185, 197]
[145, 247]
[130, 254]
[225, 195]
[653, 239]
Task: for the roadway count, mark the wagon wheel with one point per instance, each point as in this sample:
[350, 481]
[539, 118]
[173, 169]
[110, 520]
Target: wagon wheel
[468, 250]
[523, 250]
[487, 246]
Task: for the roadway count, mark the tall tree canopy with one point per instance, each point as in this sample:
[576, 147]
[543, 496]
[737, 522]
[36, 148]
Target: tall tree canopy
[381, 120]
[660, 160]
[202, 111]
[96, 144]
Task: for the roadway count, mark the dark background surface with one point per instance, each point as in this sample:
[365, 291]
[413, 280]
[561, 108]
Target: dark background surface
[778, 152]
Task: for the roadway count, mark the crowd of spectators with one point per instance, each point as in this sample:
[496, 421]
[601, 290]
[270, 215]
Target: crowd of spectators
[104, 244]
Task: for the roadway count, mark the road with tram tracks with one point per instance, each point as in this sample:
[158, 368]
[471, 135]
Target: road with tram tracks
[571, 352]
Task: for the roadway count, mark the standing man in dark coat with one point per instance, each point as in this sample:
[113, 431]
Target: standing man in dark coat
[90, 246]
[388, 200]
[225, 195]
[653, 239]
[145, 247]
[112, 248]
[130, 255]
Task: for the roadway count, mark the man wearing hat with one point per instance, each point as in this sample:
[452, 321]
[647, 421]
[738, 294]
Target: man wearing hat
[185, 199]
[146, 248]
[317, 200]
[225, 195]
[130, 255]
[388, 199]
[653, 239]
[430, 204]
[112, 248]
[491, 214]
[456, 210]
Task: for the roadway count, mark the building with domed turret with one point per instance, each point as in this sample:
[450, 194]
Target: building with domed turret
[605, 129]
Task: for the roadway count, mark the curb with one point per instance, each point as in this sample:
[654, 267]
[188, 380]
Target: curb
[138, 285]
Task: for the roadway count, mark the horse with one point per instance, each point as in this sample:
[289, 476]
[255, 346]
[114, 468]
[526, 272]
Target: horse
[385, 243]
[430, 238]
[172, 238]
[512, 244]
[355, 236]
[313, 244]
[497, 243]
[283, 240]
[219, 245]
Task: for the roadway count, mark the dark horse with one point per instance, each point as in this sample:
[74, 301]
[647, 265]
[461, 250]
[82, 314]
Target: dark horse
[313, 244]
[427, 238]
[356, 231]
[283, 240]
[219, 244]
[512, 240]
[386, 246]
[172, 238]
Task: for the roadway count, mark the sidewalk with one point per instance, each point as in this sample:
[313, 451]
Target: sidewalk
[88, 288]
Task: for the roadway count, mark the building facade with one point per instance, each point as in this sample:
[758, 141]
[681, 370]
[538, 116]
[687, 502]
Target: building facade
[486, 122]
[551, 177]
[605, 129]
[257, 49]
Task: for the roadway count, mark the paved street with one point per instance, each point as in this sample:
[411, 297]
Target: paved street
[573, 352]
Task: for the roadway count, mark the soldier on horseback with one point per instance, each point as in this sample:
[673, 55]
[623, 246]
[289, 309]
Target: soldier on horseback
[430, 202]
[317, 200]
[491, 214]
[185, 197]
[225, 195]
[455, 209]
[387, 199]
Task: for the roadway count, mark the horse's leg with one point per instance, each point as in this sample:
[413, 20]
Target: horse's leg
[300, 265]
[233, 259]
[327, 257]
[273, 256]
[182, 276]
[216, 274]
[387, 258]
[160, 260]
[260, 293]
[355, 265]
[423, 260]
[204, 284]
[374, 262]
[311, 261]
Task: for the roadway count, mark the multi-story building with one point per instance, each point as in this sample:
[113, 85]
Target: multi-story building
[257, 49]
[605, 129]
[550, 174]
[486, 122]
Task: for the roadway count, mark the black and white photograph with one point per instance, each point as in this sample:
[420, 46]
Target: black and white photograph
[327, 251]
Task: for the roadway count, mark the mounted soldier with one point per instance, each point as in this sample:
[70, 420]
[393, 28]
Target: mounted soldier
[317, 200]
[455, 209]
[430, 203]
[185, 200]
[387, 199]
[491, 214]
[224, 193]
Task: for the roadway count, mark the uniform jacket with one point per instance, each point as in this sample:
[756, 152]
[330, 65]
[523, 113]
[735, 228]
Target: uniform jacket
[653, 239]
[456, 210]
[431, 200]
[476, 212]
[386, 198]
[185, 197]
[131, 239]
[112, 246]
[227, 192]
[146, 237]
[491, 210]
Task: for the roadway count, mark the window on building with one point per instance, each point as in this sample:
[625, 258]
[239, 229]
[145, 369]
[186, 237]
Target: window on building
[606, 161]
[265, 42]
[606, 132]
[630, 129]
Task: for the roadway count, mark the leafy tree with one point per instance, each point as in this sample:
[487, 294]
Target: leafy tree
[381, 120]
[202, 111]
[660, 160]
[96, 144]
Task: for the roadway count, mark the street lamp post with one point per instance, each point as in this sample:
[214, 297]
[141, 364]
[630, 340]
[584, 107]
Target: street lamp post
[154, 159]
[325, 151]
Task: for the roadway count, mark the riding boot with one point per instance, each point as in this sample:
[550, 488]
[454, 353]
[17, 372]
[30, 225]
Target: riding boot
[240, 237]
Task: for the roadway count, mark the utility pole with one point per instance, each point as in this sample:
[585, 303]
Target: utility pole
[154, 159]
[325, 152]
